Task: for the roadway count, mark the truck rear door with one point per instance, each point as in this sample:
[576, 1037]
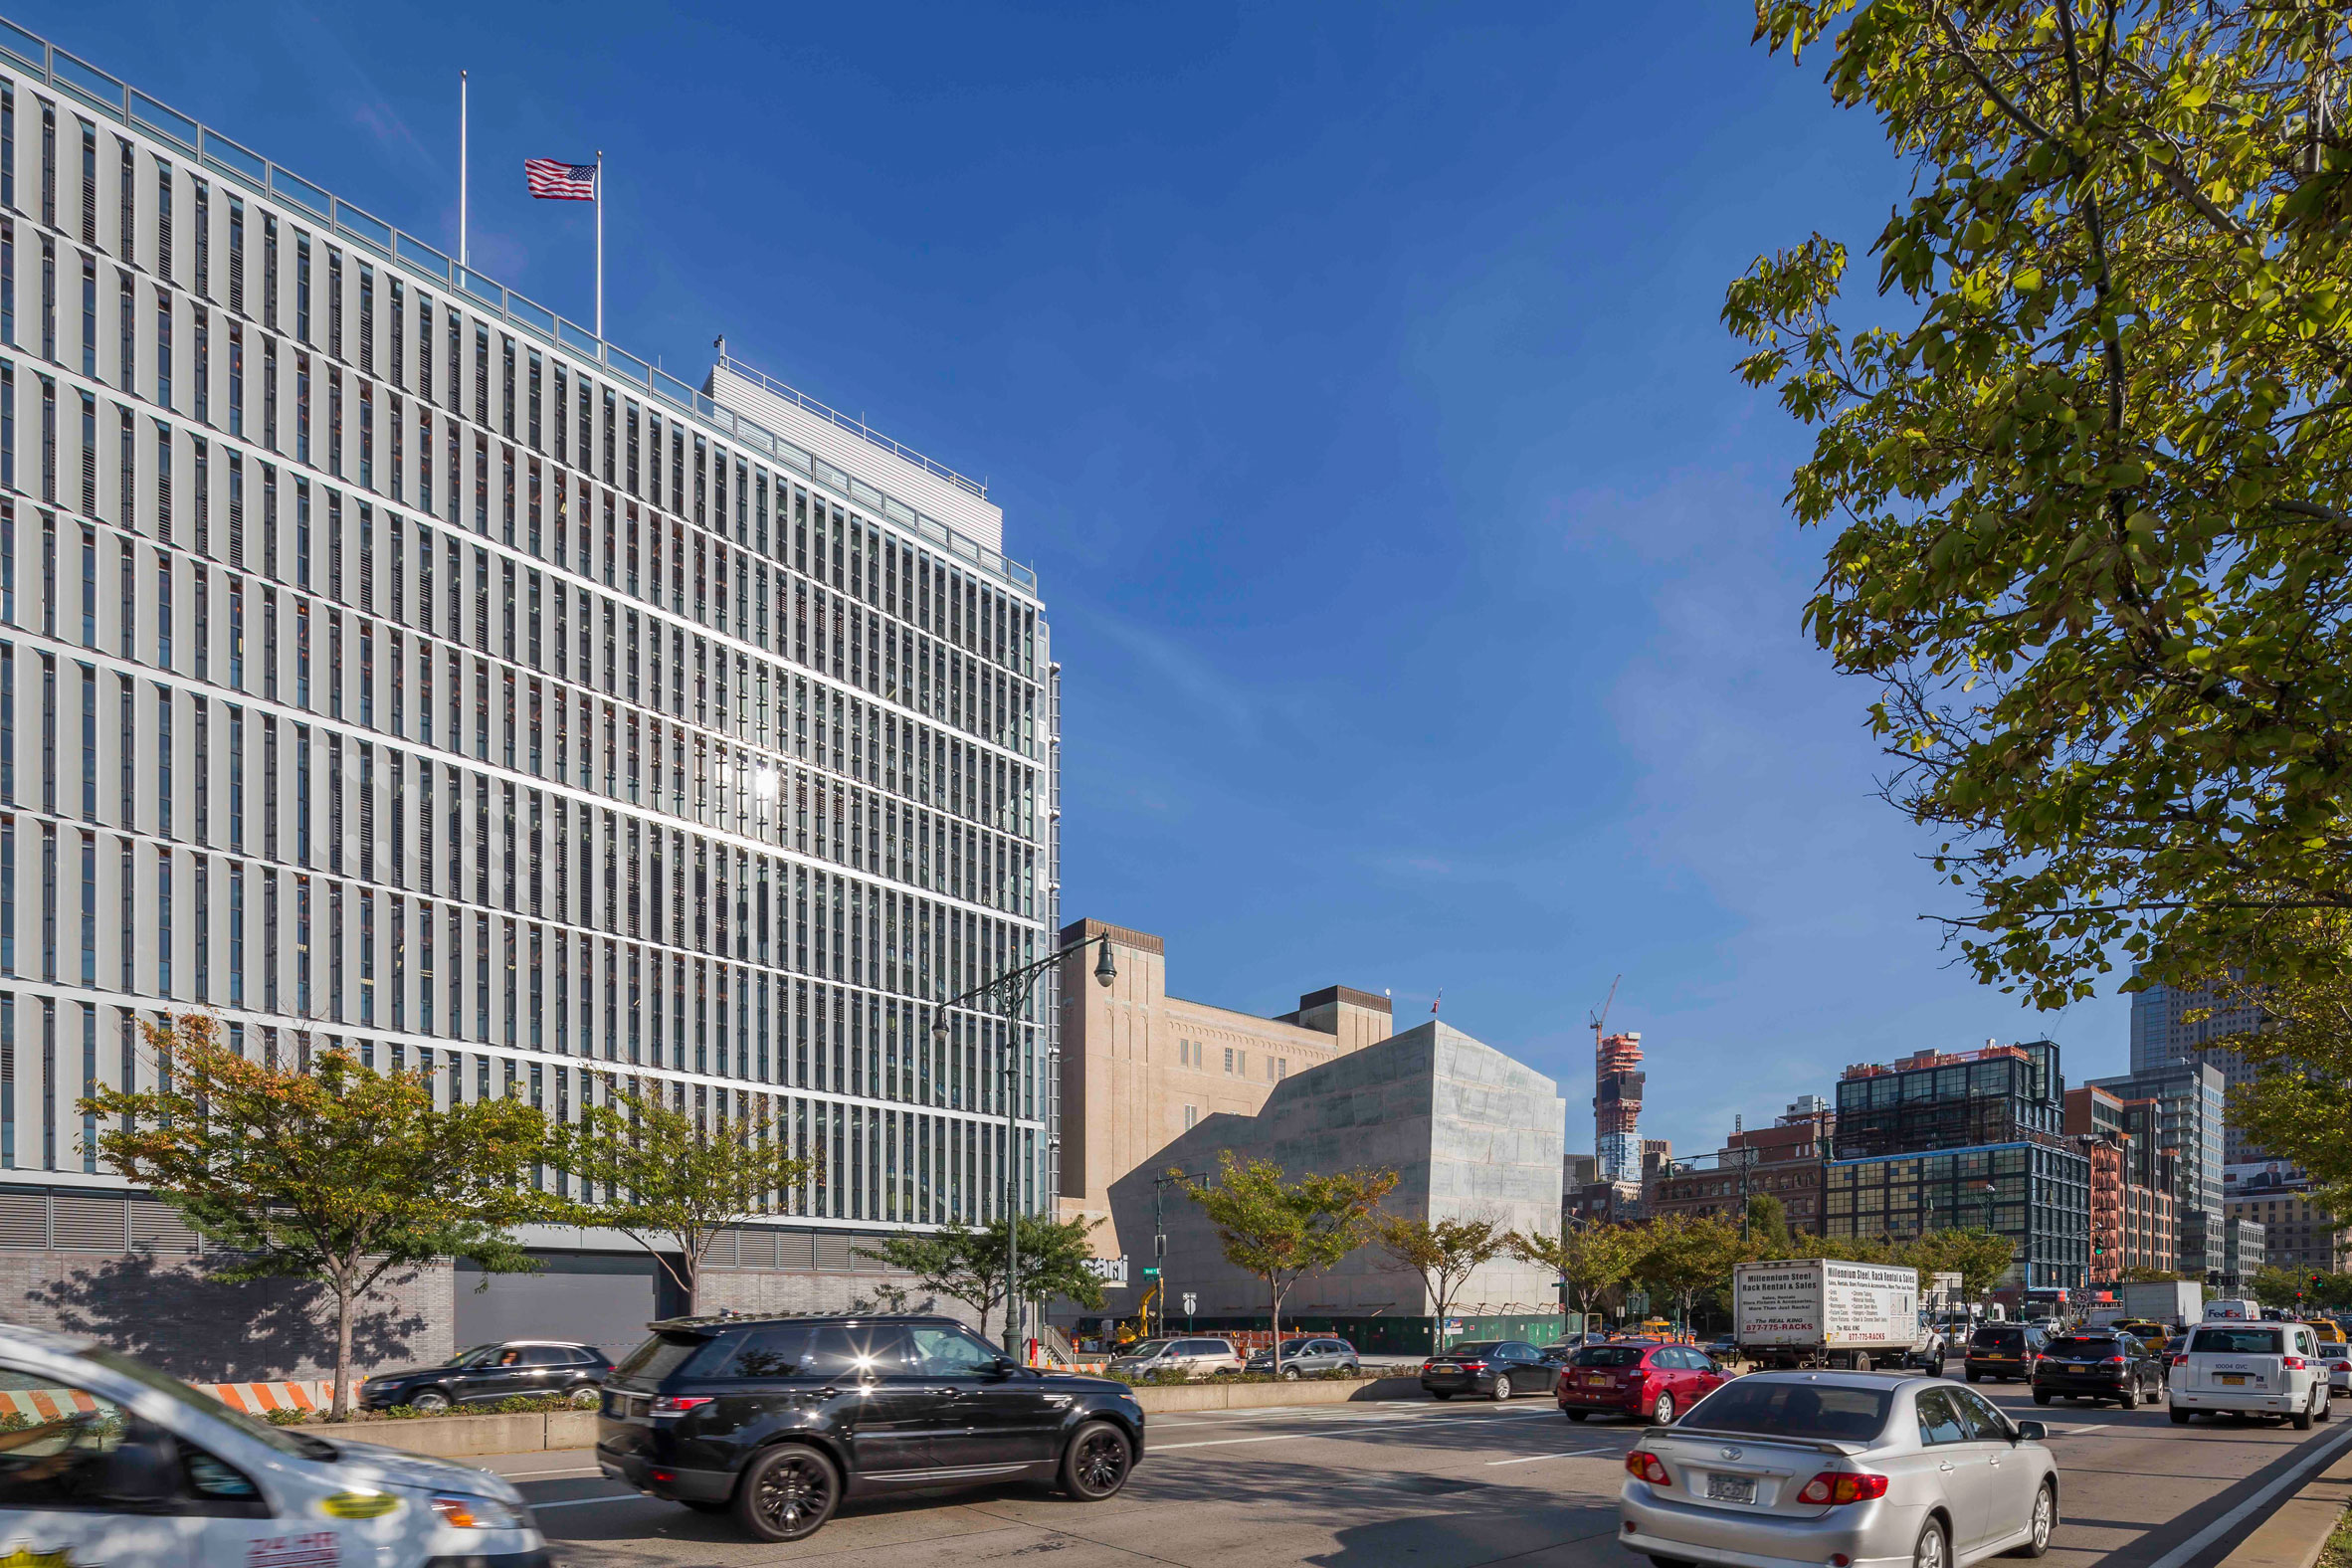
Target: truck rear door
[2240, 1358]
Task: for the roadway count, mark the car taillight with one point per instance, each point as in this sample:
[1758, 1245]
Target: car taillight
[2114, 1361]
[670, 1405]
[2180, 1360]
[2340, 1366]
[2292, 1363]
[1474, 1366]
[1644, 1466]
[1834, 1489]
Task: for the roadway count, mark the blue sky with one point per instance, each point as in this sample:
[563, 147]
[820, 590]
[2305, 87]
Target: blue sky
[1428, 612]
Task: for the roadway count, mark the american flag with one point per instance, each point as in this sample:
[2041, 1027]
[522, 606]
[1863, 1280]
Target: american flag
[553, 179]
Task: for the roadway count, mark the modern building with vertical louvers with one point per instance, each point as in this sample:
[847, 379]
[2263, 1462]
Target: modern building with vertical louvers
[387, 662]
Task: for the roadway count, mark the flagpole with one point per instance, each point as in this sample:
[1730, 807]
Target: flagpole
[600, 245]
[461, 168]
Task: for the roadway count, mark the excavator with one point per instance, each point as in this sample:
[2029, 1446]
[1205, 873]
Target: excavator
[1125, 1335]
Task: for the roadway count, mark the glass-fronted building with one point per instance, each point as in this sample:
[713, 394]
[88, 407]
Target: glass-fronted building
[1941, 1140]
[2193, 1099]
[387, 662]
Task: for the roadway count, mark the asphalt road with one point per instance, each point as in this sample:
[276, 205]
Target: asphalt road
[1411, 1482]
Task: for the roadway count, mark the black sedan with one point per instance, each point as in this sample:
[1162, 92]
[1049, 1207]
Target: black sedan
[481, 1374]
[1496, 1368]
[2099, 1367]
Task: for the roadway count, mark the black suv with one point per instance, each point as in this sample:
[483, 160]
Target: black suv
[2004, 1352]
[481, 1373]
[2096, 1366]
[776, 1419]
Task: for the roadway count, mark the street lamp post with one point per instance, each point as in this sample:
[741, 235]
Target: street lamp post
[1011, 991]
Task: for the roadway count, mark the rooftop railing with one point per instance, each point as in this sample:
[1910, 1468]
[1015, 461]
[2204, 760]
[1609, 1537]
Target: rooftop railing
[127, 105]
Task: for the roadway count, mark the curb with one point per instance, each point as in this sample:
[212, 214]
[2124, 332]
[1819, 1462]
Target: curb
[2296, 1532]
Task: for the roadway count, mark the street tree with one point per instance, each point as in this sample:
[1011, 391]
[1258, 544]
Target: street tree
[2297, 981]
[1281, 1230]
[1768, 1224]
[323, 1169]
[1443, 1254]
[2086, 447]
[967, 1263]
[1594, 1258]
[672, 1181]
[1978, 1256]
[1684, 1255]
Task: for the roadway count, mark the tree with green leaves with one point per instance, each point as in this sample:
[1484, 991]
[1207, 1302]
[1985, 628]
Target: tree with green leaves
[322, 1169]
[968, 1263]
[1768, 1224]
[2086, 454]
[1594, 1258]
[1684, 1255]
[1979, 1257]
[1444, 1253]
[672, 1181]
[1281, 1230]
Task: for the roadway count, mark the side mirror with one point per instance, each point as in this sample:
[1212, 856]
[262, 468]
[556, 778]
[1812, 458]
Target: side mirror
[1003, 1366]
[142, 1471]
[2031, 1432]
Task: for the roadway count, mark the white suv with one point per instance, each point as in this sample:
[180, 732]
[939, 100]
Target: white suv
[2250, 1369]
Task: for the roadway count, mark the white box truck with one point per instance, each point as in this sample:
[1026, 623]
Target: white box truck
[1820, 1311]
[2180, 1302]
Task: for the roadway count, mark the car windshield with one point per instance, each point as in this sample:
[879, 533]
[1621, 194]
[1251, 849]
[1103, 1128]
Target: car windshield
[1992, 1338]
[1473, 1352]
[1292, 1348]
[473, 1355]
[2086, 1345]
[292, 1444]
[1771, 1408]
[1147, 1347]
[1608, 1357]
[2234, 1342]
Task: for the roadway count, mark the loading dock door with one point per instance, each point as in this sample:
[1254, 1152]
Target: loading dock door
[603, 1299]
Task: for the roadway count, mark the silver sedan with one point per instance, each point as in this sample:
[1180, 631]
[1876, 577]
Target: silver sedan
[1839, 1469]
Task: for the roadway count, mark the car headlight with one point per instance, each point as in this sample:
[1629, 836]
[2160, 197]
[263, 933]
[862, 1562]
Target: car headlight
[464, 1511]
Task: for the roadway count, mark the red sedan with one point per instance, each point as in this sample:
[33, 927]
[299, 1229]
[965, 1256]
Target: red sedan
[1638, 1379]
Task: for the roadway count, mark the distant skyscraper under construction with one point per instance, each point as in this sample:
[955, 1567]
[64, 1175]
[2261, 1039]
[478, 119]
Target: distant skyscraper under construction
[1617, 1106]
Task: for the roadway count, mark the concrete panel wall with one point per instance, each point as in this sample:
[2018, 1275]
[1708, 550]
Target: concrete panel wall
[1467, 1130]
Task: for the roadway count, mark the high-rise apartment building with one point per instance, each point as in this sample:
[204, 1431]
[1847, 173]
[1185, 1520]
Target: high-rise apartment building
[386, 662]
[1941, 1139]
[2163, 1035]
[2191, 1098]
[1616, 1104]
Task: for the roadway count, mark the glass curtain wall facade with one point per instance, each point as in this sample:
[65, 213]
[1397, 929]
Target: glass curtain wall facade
[1938, 1141]
[379, 670]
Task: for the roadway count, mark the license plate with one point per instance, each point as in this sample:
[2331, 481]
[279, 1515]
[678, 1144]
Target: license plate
[1596, 1380]
[1731, 1488]
[1444, 1366]
[2234, 1379]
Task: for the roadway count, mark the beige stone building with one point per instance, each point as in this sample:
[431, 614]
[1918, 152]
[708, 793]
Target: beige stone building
[1141, 1068]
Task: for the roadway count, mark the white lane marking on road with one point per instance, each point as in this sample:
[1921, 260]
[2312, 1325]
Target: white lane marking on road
[582, 1503]
[1219, 1443]
[1572, 1453]
[2189, 1548]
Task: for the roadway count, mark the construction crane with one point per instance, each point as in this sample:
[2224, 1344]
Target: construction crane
[1600, 1021]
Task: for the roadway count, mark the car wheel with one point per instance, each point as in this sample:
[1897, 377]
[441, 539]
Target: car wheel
[787, 1493]
[2327, 1406]
[1663, 1413]
[429, 1400]
[1930, 1549]
[2130, 1399]
[1503, 1387]
[2180, 1417]
[2043, 1526]
[1975, 1377]
[2302, 1418]
[1290, 1374]
[1441, 1393]
[1938, 1369]
[1576, 1415]
[1096, 1464]
[587, 1398]
[2041, 1398]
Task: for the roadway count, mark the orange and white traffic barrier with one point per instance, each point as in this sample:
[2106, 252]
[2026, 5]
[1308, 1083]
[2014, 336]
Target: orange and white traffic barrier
[259, 1398]
[44, 1405]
